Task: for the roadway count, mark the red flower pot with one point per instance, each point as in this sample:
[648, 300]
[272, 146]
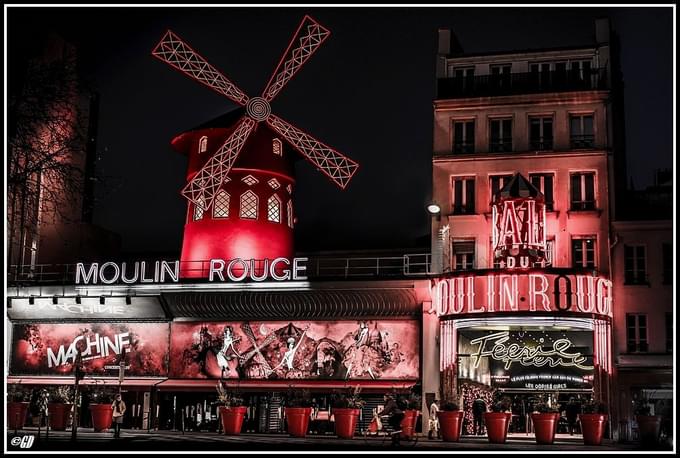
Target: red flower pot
[59, 414]
[297, 419]
[408, 423]
[102, 416]
[450, 424]
[650, 427]
[592, 425]
[545, 425]
[345, 422]
[16, 414]
[497, 424]
[232, 419]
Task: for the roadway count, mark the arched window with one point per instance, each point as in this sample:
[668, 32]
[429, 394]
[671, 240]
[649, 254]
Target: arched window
[289, 208]
[277, 148]
[203, 144]
[221, 205]
[198, 209]
[248, 205]
[274, 209]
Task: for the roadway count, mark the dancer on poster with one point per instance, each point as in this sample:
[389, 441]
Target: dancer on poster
[229, 352]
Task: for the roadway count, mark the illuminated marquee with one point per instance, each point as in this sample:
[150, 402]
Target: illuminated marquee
[530, 292]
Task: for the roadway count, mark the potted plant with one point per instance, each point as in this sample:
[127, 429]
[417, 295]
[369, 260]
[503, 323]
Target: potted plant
[498, 421]
[298, 408]
[649, 425]
[101, 408]
[450, 421]
[231, 409]
[346, 410]
[60, 406]
[545, 423]
[593, 421]
[413, 404]
[17, 405]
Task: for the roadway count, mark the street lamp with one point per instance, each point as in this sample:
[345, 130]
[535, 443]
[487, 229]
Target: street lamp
[434, 209]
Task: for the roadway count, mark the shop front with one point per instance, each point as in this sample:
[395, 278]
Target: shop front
[530, 340]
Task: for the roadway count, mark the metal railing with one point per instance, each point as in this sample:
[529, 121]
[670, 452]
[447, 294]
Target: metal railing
[521, 83]
[317, 267]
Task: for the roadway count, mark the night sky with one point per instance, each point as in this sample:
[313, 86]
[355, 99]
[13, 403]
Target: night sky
[368, 92]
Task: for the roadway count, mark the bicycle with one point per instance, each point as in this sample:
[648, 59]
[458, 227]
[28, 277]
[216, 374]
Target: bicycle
[383, 433]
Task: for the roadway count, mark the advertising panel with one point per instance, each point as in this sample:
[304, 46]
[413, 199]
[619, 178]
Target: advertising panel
[296, 350]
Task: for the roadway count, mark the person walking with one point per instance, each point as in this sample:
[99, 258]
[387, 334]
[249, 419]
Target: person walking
[118, 414]
[573, 409]
[478, 409]
[433, 422]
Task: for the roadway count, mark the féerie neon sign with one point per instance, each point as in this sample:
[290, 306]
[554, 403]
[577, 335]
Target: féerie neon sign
[494, 346]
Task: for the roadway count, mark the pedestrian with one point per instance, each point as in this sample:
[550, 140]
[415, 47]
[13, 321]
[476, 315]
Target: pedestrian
[573, 409]
[433, 422]
[478, 409]
[118, 414]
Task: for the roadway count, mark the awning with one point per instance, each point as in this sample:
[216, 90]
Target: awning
[284, 385]
[128, 382]
[303, 305]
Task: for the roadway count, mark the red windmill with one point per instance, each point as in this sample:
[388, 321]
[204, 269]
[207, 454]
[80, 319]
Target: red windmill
[237, 202]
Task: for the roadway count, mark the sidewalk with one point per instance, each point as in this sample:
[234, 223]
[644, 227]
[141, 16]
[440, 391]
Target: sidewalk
[176, 441]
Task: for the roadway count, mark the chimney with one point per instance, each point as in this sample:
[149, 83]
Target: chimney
[448, 46]
[602, 35]
[444, 42]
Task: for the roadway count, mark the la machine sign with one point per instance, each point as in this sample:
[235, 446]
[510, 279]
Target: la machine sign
[235, 270]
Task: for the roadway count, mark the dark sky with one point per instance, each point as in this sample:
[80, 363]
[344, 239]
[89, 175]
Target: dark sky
[367, 91]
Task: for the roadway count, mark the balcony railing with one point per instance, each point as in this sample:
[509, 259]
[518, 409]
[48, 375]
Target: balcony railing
[339, 267]
[520, 83]
[582, 141]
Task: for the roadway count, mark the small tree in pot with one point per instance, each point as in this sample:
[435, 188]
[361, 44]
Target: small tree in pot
[649, 425]
[593, 421]
[545, 423]
[413, 403]
[498, 421]
[17, 405]
[346, 409]
[231, 409]
[60, 406]
[298, 408]
[450, 421]
[101, 407]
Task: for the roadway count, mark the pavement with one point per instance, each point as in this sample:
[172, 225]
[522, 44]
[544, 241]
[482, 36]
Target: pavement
[143, 440]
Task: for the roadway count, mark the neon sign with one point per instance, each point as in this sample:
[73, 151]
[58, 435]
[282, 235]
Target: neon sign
[533, 292]
[236, 270]
[494, 346]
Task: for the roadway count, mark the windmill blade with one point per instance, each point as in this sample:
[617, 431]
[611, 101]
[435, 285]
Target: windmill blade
[336, 166]
[206, 183]
[175, 52]
[306, 40]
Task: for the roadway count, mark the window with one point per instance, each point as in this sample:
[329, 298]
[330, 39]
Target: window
[274, 209]
[580, 72]
[463, 254]
[583, 191]
[636, 333]
[248, 205]
[549, 254]
[198, 209]
[250, 180]
[541, 133]
[635, 267]
[464, 137]
[463, 79]
[669, 333]
[274, 183]
[497, 182]
[501, 135]
[667, 250]
[544, 183]
[463, 196]
[277, 148]
[540, 74]
[289, 209]
[581, 131]
[203, 145]
[500, 76]
[221, 205]
[583, 252]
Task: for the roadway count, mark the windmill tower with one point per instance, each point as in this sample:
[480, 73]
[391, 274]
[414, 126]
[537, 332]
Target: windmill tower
[240, 176]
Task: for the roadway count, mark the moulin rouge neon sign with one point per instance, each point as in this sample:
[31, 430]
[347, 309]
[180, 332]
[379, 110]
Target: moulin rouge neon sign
[494, 346]
[530, 292]
[235, 270]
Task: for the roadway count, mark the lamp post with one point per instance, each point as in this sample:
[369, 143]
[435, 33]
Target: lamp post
[78, 372]
[436, 263]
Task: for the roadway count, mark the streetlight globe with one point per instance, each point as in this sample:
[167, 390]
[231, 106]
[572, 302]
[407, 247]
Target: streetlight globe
[433, 208]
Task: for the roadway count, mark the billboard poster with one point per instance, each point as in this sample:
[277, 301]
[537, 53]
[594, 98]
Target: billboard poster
[528, 359]
[338, 350]
[51, 348]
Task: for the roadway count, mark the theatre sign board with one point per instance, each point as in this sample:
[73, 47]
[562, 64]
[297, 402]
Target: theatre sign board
[540, 292]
